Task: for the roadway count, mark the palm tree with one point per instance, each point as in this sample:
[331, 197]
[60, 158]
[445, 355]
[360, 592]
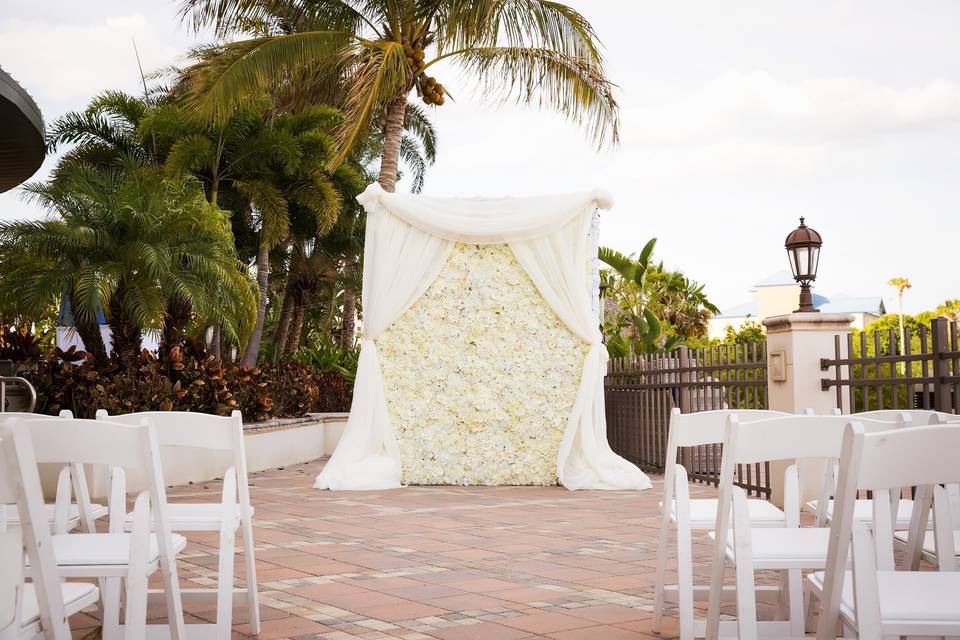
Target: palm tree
[901, 284]
[950, 310]
[376, 53]
[128, 241]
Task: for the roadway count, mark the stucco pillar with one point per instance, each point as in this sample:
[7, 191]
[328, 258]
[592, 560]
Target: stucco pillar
[795, 344]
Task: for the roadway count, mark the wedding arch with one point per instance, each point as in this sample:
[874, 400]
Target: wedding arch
[409, 241]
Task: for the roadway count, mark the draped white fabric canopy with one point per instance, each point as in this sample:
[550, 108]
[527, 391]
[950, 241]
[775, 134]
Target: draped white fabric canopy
[408, 241]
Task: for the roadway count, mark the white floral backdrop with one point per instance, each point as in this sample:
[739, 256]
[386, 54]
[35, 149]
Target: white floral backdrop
[480, 376]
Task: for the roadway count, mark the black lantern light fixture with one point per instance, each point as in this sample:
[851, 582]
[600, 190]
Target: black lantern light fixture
[803, 248]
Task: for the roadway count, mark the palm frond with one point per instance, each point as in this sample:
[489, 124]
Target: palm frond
[250, 67]
[418, 124]
[575, 87]
[381, 74]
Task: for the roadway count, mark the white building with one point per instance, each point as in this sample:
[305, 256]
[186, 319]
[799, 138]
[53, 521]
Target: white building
[778, 294]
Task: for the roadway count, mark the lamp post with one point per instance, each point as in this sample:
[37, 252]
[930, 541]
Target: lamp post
[803, 248]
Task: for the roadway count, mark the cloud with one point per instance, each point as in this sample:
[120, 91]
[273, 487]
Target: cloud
[757, 104]
[63, 64]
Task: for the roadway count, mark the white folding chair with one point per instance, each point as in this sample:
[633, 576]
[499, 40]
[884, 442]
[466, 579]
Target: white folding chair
[40, 608]
[117, 555]
[687, 515]
[874, 600]
[64, 515]
[920, 541]
[918, 417]
[183, 429]
[863, 511]
[789, 549]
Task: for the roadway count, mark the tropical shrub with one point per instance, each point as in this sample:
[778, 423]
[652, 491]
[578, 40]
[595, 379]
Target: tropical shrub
[190, 379]
[648, 308]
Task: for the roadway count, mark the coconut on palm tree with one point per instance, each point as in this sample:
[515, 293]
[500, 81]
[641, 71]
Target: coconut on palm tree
[374, 54]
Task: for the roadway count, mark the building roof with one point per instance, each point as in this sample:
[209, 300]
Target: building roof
[22, 147]
[777, 279]
[848, 304]
[835, 304]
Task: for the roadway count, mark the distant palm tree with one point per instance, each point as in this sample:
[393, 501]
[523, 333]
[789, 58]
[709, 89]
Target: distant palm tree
[950, 310]
[901, 284]
[128, 242]
[374, 53]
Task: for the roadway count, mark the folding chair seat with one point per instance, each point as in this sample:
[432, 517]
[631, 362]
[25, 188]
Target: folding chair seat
[789, 549]
[906, 599]
[872, 600]
[40, 608]
[223, 436]
[117, 556]
[703, 513]
[687, 514]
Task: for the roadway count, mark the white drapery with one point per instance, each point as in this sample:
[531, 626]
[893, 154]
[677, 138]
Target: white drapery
[408, 241]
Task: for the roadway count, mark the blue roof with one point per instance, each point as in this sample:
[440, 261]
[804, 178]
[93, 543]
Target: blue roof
[847, 304]
[837, 304]
[745, 310]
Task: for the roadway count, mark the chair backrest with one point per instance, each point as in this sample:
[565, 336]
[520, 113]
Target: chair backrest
[918, 417]
[709, 427]
[199, 431]
[20, 485]
[186, 428]
[791, 437]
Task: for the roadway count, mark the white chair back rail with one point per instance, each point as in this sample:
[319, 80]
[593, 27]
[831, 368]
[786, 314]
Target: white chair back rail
[20, 486]
[123, 448]
[918, 417]
[882, 462]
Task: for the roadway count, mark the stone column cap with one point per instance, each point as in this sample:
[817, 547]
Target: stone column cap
[808, 322]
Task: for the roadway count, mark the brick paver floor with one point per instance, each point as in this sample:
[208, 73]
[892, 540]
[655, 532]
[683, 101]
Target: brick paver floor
[455, 563]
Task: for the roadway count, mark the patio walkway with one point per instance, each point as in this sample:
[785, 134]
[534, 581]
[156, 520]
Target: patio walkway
[453, 563]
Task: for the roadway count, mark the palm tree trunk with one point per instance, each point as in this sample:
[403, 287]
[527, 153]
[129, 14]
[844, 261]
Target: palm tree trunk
[903, 334]
[176, 317]
[89, 332]
[215, 343]
[263, 273]
[392, 136]
[293, 341]
[283, 326]
[126, 335]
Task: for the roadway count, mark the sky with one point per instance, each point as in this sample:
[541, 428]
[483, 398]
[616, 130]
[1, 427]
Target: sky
[737, 119]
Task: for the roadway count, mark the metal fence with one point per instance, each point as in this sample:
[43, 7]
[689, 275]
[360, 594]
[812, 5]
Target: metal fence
[874, 371]
[640, 393]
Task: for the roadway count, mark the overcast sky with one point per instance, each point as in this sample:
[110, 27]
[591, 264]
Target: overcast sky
[738, 117]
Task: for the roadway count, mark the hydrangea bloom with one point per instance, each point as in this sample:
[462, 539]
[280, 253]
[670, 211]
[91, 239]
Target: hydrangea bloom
[480, 376]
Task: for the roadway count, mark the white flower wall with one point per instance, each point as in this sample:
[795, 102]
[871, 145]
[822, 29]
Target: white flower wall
[480, 376]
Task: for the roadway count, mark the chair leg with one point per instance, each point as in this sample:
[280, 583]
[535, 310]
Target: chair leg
[110, 607]
[685, 582]
[660, 580]
[250, 564]
[225, 581]
[797, 611]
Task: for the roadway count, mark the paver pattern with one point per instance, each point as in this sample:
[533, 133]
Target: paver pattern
[455, 563]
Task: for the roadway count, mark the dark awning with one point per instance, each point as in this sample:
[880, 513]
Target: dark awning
[21, 134]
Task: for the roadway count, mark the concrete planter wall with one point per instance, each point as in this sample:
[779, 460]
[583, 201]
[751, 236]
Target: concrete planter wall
[269, 445]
